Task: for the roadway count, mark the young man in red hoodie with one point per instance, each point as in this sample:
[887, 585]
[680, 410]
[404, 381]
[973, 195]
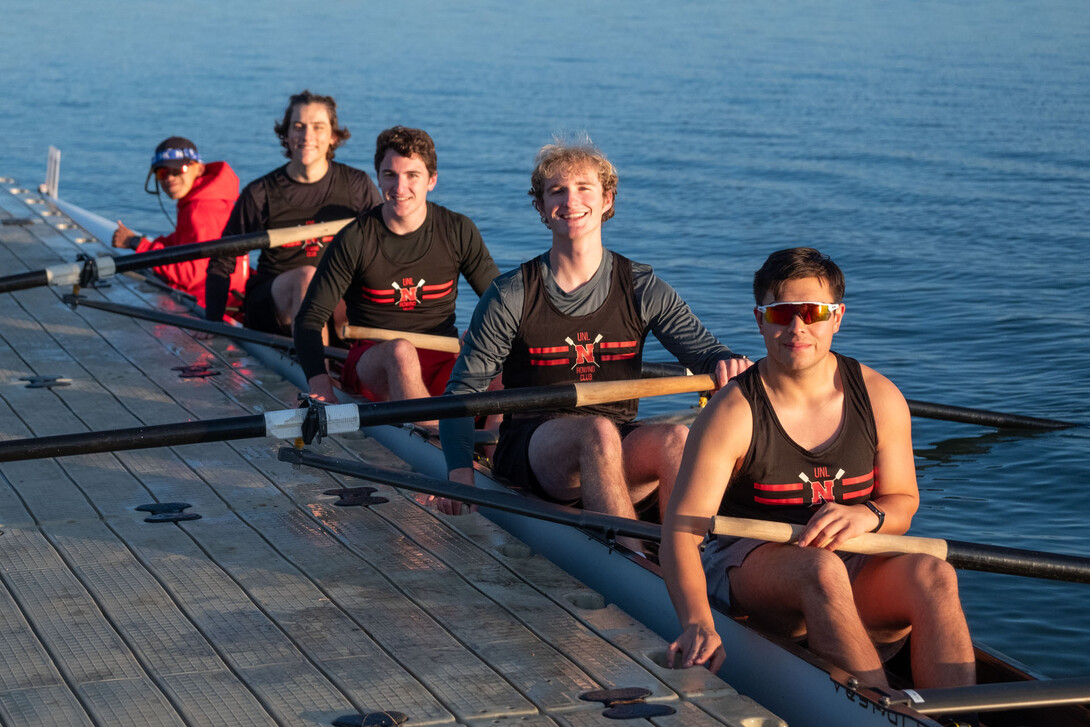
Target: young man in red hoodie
[205, 193]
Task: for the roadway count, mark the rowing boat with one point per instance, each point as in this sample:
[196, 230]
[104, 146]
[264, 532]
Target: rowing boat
[782, 676]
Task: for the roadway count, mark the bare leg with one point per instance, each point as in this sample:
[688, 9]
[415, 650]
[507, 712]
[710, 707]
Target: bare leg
[652, 456]
[288, 290]
[792, 590]
[920, 591]
[575, 457]
[391, 370]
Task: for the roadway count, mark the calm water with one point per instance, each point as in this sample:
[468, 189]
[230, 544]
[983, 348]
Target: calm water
[937, 150]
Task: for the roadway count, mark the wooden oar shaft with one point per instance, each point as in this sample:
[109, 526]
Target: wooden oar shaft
[198, 324]
[585, 519]
[370, 414]
[427, 341]
[963, 555]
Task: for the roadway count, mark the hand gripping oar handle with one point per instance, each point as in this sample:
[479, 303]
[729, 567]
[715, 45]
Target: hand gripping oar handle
[427, 341]
[340, 418]
[966, 556]
[84, 271]
[609, 525]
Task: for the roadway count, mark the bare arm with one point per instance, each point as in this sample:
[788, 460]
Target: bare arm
[895, 491]
[718, 442]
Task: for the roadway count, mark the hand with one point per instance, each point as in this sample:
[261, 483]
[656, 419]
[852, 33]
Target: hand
[698, 644]
[463, 476]
[727, 369]
[321, 388]
[834, 524]
[123, 235]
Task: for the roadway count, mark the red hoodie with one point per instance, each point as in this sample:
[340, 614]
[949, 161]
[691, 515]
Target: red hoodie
[202, 215]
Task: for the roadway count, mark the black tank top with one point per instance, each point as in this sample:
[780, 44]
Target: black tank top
[779, 480]
[553, 348]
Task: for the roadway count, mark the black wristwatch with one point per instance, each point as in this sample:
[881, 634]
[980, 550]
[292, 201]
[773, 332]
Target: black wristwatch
[877, 511]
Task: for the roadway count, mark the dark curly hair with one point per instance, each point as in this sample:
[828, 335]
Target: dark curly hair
[340, 135]
[407, 142]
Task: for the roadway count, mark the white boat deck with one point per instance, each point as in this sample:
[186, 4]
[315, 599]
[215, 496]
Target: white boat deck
[275, 607]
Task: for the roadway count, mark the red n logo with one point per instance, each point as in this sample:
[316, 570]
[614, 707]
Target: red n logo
[584, 354]
[822, 491]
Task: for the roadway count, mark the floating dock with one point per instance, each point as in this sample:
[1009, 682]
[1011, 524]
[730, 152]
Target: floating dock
[276, 606]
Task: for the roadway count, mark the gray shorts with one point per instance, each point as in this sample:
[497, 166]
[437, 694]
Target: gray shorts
[724, 552]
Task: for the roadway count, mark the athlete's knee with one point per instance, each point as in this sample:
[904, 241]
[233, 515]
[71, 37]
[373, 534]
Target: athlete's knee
[599, 435]
[825, 574]
[402, 354]
[671, 441]
[932, 577]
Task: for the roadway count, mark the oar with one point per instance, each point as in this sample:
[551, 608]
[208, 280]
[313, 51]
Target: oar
[929, 410]
[339, 418]
[198, 324]
[966, 556]
[1045, 565]
[1028, 694]
[86, 270]
[529, 506]
[427, 341]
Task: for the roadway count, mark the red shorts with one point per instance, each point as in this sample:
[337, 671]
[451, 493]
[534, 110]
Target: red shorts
[435, 368]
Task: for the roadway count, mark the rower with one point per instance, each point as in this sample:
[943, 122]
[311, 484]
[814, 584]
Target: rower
[809, 436]
[310, 188]
[578, 312]
[205, 194]
[396, 267]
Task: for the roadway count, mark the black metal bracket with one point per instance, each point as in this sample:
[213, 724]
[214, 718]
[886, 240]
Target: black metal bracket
[314, 425]
[195, 371]
[388, 718]
[168, 512]
[89, 273]
[45, 382]
[627, 703]
[356, 496]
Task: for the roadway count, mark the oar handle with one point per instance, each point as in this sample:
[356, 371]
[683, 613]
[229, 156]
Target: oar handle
[600, 392]
[867, 543]
[287, 235]
[427, 341]
[961, 555]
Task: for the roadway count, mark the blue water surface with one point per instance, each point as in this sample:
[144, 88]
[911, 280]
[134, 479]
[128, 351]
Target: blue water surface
[938, 150]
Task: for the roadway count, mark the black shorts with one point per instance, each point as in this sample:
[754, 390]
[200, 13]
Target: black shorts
[260, 308]
[511, 460]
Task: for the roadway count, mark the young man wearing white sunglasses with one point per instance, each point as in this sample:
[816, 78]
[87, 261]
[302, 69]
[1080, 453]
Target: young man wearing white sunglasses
[811, 437]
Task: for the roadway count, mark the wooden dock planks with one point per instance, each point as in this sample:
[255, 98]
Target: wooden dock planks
[276, 607]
